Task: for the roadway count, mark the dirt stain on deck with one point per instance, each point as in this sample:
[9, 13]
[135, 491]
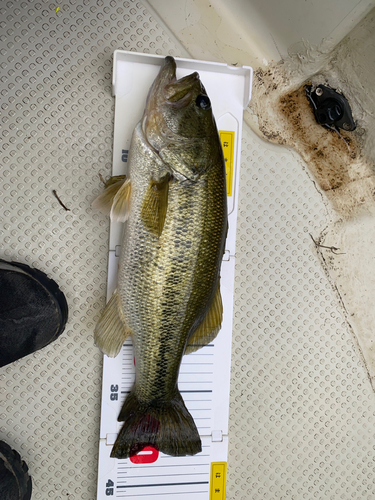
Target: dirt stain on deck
[328, 153]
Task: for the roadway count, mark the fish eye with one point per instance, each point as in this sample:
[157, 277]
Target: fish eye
[203, 102]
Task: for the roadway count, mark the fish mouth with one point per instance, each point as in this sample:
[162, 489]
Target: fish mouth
[167, 94]
[167, 89]
[166, 75]
[178, 93]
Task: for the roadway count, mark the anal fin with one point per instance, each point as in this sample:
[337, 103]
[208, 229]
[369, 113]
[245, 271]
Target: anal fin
[209, 327]
[111, 331]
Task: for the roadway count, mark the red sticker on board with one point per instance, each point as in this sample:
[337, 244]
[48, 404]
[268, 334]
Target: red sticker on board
[147, 456]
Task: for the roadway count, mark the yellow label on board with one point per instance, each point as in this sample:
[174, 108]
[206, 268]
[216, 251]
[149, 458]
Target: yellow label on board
[218, 480]
[227, 143]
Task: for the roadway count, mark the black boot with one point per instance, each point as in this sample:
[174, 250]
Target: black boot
[15, 482]
[33, 311]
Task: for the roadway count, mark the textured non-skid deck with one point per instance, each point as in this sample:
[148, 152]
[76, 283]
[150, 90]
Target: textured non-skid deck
[302, 411]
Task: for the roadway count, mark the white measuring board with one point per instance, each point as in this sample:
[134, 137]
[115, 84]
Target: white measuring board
[204, 375]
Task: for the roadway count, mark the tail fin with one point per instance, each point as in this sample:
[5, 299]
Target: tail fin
[166, 426]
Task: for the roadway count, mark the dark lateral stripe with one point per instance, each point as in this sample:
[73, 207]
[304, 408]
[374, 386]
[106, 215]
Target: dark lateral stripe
[163, 484]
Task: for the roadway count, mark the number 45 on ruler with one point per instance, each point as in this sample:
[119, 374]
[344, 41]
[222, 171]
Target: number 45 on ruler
[109, 488]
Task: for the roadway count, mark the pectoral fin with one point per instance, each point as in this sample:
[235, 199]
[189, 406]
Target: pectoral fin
[155, 204]
[105, 200]
[210, 326]
[121, 203]
[114, 180]
[111, 331]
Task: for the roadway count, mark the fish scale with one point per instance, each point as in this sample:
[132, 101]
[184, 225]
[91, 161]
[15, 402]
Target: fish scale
[168, 296]
[175, 307]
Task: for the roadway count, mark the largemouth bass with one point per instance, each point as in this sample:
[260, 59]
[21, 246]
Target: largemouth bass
[168, 292]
